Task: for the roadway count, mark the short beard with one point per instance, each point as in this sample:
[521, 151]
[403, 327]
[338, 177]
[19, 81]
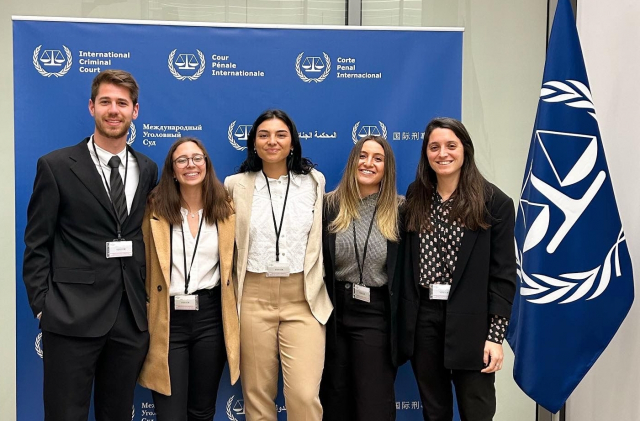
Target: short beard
[112, 135]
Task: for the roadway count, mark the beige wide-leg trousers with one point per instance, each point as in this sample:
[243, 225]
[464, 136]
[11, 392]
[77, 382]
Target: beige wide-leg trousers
[276, 324]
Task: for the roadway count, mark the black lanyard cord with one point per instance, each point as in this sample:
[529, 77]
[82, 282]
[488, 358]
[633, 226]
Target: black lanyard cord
[438, 232]
[366, 244]
[126, 169]
[187, 275]
[275, 225]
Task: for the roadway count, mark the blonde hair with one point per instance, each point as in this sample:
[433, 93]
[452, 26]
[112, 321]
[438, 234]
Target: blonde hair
[346, 197]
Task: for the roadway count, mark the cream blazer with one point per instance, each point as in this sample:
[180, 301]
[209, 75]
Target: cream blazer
[157, 239]
[241, 187]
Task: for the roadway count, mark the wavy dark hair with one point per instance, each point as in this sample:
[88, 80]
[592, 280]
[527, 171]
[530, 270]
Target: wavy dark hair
[295, 162]
[469, 197]
[165, 199]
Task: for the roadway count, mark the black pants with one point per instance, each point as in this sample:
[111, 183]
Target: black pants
[110, 363]
[358, 378]
[475, 391]
[196, 360]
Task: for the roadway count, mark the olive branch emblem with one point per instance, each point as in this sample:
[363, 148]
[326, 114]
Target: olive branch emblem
[38, 344]
[132, 134]
[229, 413]
[232, 140]
[553, 289]
[177, 75]
[43, 72]
[318, 79]
[354, 132]
[572, 93]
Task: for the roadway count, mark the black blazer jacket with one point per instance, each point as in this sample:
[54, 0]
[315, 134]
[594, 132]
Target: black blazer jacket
[69, 221]
[394, 270]
[484, 283]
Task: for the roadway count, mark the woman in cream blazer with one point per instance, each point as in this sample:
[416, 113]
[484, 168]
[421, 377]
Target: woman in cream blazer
[278, 199]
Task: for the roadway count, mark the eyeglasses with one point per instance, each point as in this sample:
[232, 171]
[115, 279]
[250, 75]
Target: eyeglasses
[183, 161]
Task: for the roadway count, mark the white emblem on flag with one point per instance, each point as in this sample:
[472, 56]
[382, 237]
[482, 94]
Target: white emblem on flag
[580, 283]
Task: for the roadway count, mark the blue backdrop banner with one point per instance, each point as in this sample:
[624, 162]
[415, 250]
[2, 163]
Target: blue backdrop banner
[338, 84]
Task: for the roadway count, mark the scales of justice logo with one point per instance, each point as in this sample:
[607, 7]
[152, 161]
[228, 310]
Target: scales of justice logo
[359, 132]
[55, 62]
[237, 134]
[189, 67]
[313, 68]
[546, 201]
[235, 407]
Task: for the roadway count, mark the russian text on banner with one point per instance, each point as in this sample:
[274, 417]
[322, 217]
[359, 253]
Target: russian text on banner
[575, 277]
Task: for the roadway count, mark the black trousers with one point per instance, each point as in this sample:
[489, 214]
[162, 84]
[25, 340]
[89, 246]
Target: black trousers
[109, 363]
[196, 359]
[358, 378]
[475, 391]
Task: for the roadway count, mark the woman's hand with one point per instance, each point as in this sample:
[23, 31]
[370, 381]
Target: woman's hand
[493, 357]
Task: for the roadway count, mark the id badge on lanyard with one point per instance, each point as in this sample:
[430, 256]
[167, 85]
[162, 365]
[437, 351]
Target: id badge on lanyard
[439, 291]
[278, 269]
[186, 302]
[119, 248]
[362, 292]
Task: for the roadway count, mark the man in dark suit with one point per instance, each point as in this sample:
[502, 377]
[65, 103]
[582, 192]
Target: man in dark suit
[84, 262]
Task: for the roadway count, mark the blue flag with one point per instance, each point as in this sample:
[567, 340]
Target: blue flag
[575, 277]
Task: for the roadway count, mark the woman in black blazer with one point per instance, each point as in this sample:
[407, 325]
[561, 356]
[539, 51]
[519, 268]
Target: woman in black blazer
[360, 240]
[461, 261]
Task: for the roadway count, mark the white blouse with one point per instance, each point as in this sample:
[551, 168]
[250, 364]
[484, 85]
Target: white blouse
[298, 218]
[205, 272]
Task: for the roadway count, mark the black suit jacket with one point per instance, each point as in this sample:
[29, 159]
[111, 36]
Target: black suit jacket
[394, 271]
[484, 284]
[69, 221]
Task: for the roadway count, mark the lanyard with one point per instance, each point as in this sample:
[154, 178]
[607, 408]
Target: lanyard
[366, 244]
[275, 225]
[126, 169]
[187, 275]
[438, 231]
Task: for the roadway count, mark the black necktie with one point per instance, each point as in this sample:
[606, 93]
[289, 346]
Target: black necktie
[118, 197]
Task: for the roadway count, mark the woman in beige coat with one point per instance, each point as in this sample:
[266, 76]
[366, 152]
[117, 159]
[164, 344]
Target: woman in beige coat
[193, 323]
[278, 266]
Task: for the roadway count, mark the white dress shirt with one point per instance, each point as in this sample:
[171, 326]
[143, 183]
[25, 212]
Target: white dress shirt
[298, 218]
[205, 272]
[133, 171]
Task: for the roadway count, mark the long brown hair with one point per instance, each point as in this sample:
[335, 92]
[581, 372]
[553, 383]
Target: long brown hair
[468, 204]
[346, 197]
[165, 199]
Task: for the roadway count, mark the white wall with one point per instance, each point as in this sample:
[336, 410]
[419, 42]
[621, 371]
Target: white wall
[610, 37]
